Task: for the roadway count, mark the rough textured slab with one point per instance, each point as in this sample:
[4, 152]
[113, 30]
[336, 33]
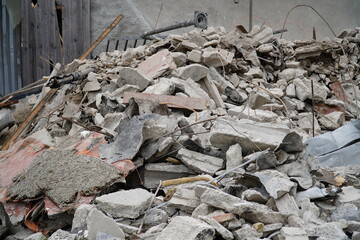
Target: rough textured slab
[61, 175]
[171, 101]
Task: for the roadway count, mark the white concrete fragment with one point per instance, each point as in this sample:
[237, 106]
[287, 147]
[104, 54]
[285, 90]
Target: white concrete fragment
[293, 233]
[99, 222]
[213, 92]
[255, 73]
[194, 56]
[250, 135]
[233, 156]
[255, 115]
[81, 213]
[332, 120]
[276, 183]
[179, 58]
[185, 199]
[128, 204]
[226, 234]
[193, 71]
[303, 89]
[290, 73]
[132, 77]
[215, 57]
[247, 232]
[200, 162]
[61, 234]
[186, 228]
[222, 200]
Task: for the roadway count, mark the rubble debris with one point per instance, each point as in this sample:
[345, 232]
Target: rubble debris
[47, 172]
[99, 222]
[186, 228]
[129, 204]
[203, 135]
[199, 162]
[171, 101]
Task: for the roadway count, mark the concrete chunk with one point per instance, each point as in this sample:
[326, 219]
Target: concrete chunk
[222, 200]
[215, 57]
[247, 232]
[132, 77]
[99, 222]
[185, 199]
[233, 156]
[128, 204]
[276, 183]
[186, 228]
[156, 65]
[193, 71]
[250, 135]
[293, 233]
[332, 120]
[61, 234]
[226, 234]
[200, 162]
[155, 172]
[303, 89]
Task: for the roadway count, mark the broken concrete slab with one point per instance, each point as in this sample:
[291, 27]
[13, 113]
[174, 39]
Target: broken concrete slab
[247, 232]
[193, 71]
[128, 142]
[194, 56]
[162, 86]
[185, 199]
[233, 156]
[333, 120]
[87, 174]
[186, 228]
[213, 92]
[61, 234]
[251, 136]
[286, 205]
[132, 77]
[303, 89]
[171, 101]
[127, 203]
[293, 233]
[255, 115]
[99, 222]
[276, 183]
[81, 213]
[225, 234]
[200, 162]
[155, 172]
[157, 64]
[215, 57]
[225, 201]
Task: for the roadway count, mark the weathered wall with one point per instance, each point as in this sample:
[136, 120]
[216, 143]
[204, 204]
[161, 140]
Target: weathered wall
[141, 14]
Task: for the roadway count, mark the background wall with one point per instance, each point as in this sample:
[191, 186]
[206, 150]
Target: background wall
[141, 15]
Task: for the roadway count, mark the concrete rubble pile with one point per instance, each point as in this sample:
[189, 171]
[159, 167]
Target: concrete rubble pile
[205, 135]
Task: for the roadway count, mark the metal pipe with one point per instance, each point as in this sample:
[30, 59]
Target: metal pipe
[199, 21]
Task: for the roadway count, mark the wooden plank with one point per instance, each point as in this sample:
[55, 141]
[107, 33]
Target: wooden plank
[189, 103]
[101, 37]
[29, 119]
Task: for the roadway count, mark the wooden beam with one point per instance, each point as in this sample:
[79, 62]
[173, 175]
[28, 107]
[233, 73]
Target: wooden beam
[101, 37]
[29, 119]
